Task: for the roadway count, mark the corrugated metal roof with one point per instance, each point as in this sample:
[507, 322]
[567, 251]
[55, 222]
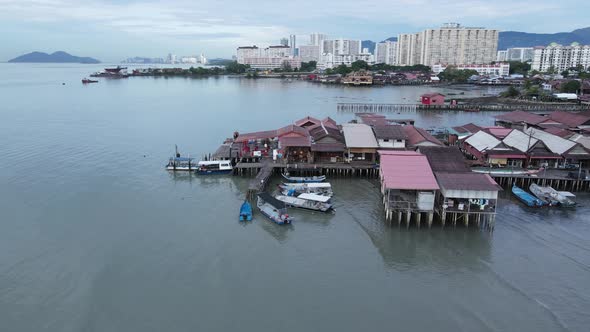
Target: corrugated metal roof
[256, 135]
[328, 147]
[294, 141]
[581, 139]
[554, 143]
[359, 136]
[445, 158]
[520, 141]
[389, 132]
[520, 116]
[482, 141]
[406, 170]
[570, 119]
[466, 181]
[418, 135]
[499, 133]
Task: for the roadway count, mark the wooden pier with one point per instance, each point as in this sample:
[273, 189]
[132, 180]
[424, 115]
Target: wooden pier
[408, 108]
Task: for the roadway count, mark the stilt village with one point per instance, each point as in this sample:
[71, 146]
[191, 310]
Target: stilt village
[451, 177]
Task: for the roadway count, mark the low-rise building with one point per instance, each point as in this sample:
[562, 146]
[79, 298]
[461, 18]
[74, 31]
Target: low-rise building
[418, 137]
[432, 99]
[497, 69]
[360, 77]
[361, 144]
[390, 136]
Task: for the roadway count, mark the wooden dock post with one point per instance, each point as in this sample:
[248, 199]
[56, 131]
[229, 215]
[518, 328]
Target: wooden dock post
[430, 217]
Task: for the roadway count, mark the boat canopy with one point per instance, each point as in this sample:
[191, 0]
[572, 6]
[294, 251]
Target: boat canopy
[314, 197]
[213, 162]
[182, 159]
[315, 185]
[271, 200]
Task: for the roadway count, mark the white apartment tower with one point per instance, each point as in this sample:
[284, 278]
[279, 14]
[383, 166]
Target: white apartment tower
[293, 44]
[342, 46]
[561, 57]
[451, 44]
[386, 52]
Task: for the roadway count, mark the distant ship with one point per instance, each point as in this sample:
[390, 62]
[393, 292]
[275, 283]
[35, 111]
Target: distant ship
[117, 72]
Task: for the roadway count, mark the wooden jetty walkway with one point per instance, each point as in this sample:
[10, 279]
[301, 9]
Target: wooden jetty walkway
[399, 108]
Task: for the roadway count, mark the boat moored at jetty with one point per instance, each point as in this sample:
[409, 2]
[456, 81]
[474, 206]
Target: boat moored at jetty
[552, 196]
[179, 163]
[307, 201]
[295, 189]
[527, 198]
[246, 211]
[302, 179]
[86, 81]
[273, 209]
[214, 167]
[505, 171]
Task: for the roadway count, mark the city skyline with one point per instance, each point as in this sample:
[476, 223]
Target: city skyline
[114, 30]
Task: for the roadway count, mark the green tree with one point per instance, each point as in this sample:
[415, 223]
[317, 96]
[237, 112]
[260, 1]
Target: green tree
[512, 92]
[235, 68]
[286, 67]
[360, 64]
[308, 66]
[517, 67]
[342, 70]
[452, 74]
[551, 70]
[565, 73]
[570, 87]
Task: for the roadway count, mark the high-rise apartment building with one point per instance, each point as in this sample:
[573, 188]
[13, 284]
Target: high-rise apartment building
[293, 44]
[267, 58]
[561, 57]
[522, 54]
[342, 46]
[451, 44]
[386, 52]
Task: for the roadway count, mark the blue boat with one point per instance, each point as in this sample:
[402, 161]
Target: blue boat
[246, 212]
[527, 198]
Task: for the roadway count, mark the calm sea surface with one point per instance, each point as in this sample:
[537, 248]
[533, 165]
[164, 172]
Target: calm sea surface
[96, 236]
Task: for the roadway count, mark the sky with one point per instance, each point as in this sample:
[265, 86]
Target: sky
[112, 30]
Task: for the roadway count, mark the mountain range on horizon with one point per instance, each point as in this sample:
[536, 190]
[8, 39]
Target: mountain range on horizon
[55, 57]
[509, 39]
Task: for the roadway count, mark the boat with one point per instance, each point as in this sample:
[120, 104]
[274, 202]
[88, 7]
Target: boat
[307, 201]
[86, 81]
[214, 167]
[505, 171]
[527, 198]
[179, 163]
[552, 196]
[301, 179]
[295, 189]
[246, 211]
[273, 209]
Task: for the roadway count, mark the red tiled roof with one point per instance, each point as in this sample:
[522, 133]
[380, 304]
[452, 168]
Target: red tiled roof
[307, 119]
[520, 116]
[406, 170]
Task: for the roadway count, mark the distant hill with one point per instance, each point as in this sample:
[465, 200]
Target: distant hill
[368, 44]
[509, 39]
[56, 57]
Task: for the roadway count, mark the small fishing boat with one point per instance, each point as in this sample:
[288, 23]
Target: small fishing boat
[302, 179]
[214, 167]
[273, 209]
[307, 201]
[552, 196]
[295, 189]
[527, 198]
[246, 211]
[179, 163]
[86, 81]
[505, 171]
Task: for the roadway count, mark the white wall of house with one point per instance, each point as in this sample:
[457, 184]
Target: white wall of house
[391, 143]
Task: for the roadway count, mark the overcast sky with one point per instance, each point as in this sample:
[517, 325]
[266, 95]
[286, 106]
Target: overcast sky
[112, 30]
